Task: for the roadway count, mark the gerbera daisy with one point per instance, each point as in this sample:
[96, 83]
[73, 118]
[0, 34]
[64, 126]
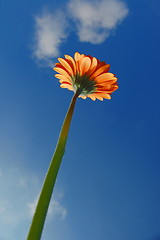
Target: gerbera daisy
[86, 75]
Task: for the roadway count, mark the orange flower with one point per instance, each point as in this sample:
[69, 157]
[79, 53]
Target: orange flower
[87, 75]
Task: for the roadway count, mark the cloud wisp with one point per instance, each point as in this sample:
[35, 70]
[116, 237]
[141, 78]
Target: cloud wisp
[17, 205]
[55, 209]
[50, 32]
[96, 19]
[93, 22]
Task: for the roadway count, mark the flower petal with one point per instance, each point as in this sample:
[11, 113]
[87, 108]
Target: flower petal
[78, 62]
[106, 95]
[91, 96]
[85, 65]
[101, 83]
[66, 65]
[84, 97]
[93, 66]
[104, 77]
[77, 56]
[66, 85]
[59, 76]
[65, 82]
[61, 71]
[100, 70]
[72, 63]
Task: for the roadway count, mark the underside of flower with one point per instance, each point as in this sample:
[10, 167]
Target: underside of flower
[83, 84]
[87, 75]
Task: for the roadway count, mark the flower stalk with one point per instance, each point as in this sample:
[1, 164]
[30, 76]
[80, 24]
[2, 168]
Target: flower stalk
[38, 220]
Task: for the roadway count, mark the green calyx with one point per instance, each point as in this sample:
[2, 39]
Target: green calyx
[83, 84]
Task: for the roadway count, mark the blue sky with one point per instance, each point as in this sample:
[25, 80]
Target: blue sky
[108, 184]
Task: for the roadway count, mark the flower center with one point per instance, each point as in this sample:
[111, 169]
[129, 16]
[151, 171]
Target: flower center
[83, 84]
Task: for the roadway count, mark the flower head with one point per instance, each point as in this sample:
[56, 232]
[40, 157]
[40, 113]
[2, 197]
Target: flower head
[87, 75]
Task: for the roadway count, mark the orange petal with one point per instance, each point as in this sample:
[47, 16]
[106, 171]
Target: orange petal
[107, 88]
[77, 56]
[93, 66]
[109, 81]
[66, 65]
[105, 84]
[91, 96]
[65, 81]
[72, 62]
[100, 64]
[78, 61]
[59, 76]
[97, 96]
[61, 71]
[65, 85]
[85, 65]
[104, 95]
[104, 76]
[84, 97]
[107, 96]
[100, 70]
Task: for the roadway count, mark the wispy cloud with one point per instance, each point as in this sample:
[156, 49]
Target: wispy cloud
[55, 209]
[15, 190]
[19, 187]
[95, 19]
[50, 32]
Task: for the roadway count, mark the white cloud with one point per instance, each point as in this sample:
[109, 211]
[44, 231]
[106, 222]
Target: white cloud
[19, 186]
[22, 182]
[55, 209]
[96, 19]
[2, 209]
[50, 32]
[15, 190]
[15, 193]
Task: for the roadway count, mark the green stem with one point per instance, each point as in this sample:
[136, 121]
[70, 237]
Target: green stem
[50, 179]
